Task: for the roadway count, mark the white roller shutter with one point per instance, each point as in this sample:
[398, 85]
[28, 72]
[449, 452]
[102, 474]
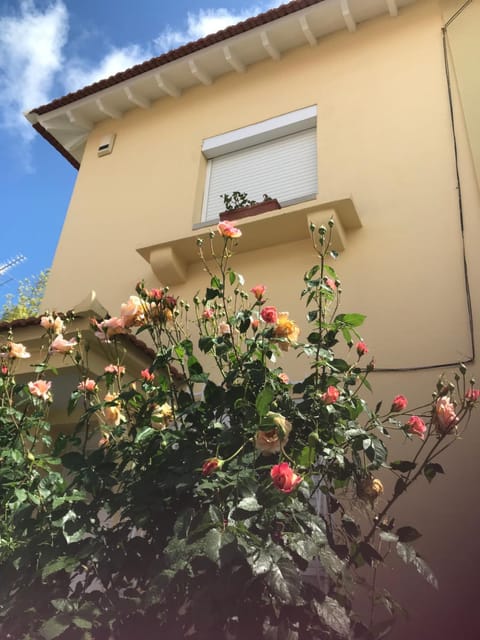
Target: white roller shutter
[284, 168]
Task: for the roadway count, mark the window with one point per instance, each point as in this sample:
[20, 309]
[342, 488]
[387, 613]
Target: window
[277, 157]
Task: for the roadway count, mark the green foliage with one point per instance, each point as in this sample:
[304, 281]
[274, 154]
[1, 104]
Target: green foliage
[26, 302]
[185, 506]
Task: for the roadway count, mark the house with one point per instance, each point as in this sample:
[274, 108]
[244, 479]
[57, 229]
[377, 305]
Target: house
[364, 110]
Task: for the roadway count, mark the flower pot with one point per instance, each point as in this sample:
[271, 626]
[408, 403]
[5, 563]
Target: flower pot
[252, 210]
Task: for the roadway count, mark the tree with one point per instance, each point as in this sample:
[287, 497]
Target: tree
[26, 302]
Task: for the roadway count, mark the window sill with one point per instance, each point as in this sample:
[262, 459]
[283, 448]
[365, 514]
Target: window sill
[170, 260]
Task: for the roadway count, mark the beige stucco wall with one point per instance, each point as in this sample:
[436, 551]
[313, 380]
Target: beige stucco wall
[384, 139]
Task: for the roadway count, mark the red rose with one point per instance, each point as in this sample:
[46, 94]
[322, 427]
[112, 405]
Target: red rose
[211, 465]
[269, 315]
[361, 349]
[399, 404]
[284, 477]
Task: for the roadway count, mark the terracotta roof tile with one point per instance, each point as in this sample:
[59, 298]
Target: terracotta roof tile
[175, 54]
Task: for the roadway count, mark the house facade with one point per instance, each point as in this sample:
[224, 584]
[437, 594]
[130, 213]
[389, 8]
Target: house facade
[366, 111]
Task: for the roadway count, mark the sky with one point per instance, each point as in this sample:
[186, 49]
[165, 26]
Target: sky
[49, 48]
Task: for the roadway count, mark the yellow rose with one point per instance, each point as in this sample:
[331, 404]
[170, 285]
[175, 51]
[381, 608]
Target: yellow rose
[161, 415]
[112, 414]
[286, 328]
[272, 441]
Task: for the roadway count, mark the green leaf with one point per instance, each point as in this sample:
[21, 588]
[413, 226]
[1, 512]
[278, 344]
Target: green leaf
[424, 570]
[408, 534]
[388, 536]
[334, 617]
[369, 553]
[54, 627]
[350, 319]
[73, 460]
[264, 400]
[260, 563]
[65, 563]
[285, 581]
[431, 469]
[213, 541]
[403, 465]
[249, 503]
[406, 552]
[81, 623]
[205, 344]
[231, 277]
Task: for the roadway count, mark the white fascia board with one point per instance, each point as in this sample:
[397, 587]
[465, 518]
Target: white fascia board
[259, 132]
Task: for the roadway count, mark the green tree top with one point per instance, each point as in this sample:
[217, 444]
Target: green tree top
[26, 302]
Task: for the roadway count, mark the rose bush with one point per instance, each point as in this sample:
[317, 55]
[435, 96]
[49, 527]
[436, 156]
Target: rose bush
[183, 503]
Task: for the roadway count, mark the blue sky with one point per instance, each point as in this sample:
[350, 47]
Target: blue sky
[51, 47]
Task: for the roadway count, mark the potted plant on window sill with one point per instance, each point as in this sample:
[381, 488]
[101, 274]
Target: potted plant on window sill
[238, 206]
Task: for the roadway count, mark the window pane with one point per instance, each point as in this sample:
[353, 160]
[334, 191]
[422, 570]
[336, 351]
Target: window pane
[285, 168]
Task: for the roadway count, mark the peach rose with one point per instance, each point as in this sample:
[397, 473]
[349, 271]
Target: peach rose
[284, 477]
[286, 328]
[445, 417]
[40, 389]
[111, 413]
[161, 415]
[131, 312]
[258, 291]
[60, 345]
[283, 378]
[17, 350]
[223, 328]
[369, 489]
[416, 426]
[54, 324]
[227, 230]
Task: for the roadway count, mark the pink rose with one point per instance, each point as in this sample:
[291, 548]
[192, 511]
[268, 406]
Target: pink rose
[445, 417]
[472, 395]
[111, 327]
[207, 313]
[227, 230]
[258, 291]
[211, 465]
[331, 395]
[416, 426]
[284, 477]
[40, 389]
[399, 404]
[283, 378]
[147, 376]
[60, 345]
[269, 315]
[17, 350]
[118, 370]
[87, 385]
[223, 328]
[361, 348]
[330, 282]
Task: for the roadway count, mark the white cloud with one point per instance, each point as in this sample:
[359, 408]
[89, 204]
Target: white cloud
[80, 74]
[205, 22]
[31, 43]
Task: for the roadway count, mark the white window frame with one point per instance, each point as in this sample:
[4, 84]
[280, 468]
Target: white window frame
[253, 135]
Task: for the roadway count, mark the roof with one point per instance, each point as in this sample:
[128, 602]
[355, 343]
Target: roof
[67, 121]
